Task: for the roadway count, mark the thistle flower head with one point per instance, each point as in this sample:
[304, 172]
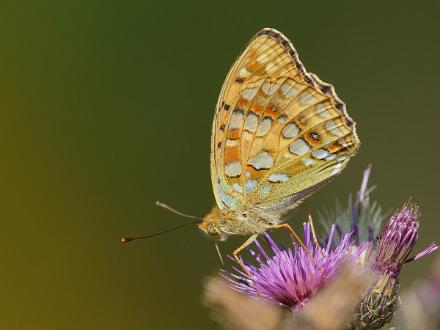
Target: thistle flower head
[393, 247]
[397, 240]
[289, 277]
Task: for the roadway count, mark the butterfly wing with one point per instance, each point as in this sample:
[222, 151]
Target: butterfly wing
[279, 132]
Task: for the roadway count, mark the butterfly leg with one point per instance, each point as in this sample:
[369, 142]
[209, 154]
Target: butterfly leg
[240, 248]
[315, 239]
[298, 239]
[219, 254]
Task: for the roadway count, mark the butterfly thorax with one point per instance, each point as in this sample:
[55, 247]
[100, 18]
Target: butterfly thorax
[219, 225]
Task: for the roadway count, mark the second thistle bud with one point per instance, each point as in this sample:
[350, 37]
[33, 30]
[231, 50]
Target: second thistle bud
[397, 241]
[379, 303]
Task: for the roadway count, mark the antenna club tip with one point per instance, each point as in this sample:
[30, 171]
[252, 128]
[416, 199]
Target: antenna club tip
[126, 239]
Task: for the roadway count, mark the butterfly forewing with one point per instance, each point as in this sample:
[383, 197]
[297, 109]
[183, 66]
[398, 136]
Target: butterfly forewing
[279, 132]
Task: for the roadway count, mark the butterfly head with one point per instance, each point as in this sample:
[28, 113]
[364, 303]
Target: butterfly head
[214, 225]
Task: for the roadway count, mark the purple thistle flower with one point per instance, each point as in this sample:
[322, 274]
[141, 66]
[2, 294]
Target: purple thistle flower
[290, 277]
[397, 241]
[393, 247]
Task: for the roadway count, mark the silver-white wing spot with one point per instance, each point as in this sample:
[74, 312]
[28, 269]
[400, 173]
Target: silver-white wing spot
[251, 122]
[265, 189]
[236, 119]
[265, 126]
[263, 160]
[299, 147]
[320, 153]
[231, 143]
[226, 199]
[290, 131]
[233, 169]
[288, 90]
[249, 93]
[237, 187]
[308, 161]
[269, 89]
[250, 185]
[278, 177]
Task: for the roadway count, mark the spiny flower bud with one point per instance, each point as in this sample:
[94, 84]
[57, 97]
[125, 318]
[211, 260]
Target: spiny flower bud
[396, 242]
[378, 305]
[398, 239]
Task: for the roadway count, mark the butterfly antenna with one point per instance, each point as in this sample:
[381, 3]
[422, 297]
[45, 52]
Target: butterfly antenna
[169, 208]
[127, 239]
[219, 254]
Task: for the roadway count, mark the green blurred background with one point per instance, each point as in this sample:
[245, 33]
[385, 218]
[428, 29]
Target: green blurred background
[107, 106]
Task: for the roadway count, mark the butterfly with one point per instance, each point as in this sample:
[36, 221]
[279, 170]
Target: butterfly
[279, 133]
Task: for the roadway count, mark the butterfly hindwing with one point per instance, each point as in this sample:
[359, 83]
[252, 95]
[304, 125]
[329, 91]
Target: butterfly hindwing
[278, 131]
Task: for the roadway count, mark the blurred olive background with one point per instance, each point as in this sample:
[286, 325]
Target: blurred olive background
[106, 107]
